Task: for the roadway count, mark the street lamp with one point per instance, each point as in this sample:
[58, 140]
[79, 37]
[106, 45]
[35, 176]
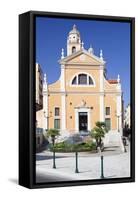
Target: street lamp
[102, 169]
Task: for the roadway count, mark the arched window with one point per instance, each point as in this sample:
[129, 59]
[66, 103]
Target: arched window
[90, 81]
[73, 49]
[74, 81]
[82, 79]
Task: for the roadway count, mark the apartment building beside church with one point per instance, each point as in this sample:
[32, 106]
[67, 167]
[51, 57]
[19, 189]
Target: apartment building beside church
[82, 95]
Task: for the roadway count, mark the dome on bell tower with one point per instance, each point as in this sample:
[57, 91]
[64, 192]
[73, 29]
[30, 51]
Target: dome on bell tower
[74, 30]
[73, 41]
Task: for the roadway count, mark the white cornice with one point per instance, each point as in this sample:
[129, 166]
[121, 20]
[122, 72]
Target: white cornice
[82, 64]
[82, 51]
[87, 66]
[88, 93]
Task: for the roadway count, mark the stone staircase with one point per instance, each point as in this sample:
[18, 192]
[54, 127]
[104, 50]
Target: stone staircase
[113, 139]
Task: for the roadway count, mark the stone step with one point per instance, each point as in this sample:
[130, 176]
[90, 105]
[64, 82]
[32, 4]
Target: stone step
[113, 139]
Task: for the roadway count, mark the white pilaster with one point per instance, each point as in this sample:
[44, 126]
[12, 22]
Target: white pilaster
[62, 79]
[45, 110]
[102, 109]
[63, 99]
[101, 79]
[119, 112]
[63, 112]
[119, 105]
[45, 103]
[76, 120]
[89, 120]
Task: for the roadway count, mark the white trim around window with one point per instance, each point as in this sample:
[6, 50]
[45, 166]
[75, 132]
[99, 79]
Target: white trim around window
[58, 107]
[82, 85]
[105, 111]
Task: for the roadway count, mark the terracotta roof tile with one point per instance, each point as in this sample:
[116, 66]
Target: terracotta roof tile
[112, 81]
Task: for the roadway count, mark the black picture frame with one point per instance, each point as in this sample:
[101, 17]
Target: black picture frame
[27, 98]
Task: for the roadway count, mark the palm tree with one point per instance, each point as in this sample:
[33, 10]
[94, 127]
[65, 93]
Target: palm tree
[98, 132]
[53, 133]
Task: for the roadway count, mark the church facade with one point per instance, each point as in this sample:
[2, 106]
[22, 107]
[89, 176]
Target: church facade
[82, 95]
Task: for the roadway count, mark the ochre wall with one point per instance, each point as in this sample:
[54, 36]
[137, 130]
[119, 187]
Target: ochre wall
[54, 100]
[75, 100]
[75, 95]
[110, 101]
[91, 101]
[54, 86]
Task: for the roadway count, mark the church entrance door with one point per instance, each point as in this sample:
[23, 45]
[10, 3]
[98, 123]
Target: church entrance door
[83, 121]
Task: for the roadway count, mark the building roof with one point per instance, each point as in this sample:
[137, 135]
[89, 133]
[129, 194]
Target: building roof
[112, 81]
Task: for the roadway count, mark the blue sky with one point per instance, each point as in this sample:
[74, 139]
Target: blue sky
[112, 37]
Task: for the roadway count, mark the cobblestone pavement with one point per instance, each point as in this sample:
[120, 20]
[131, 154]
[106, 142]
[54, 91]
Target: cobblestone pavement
[116, 165]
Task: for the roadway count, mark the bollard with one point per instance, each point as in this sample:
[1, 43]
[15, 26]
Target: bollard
[76, 158]
[54, 164]
[102, 171]
[125, 149]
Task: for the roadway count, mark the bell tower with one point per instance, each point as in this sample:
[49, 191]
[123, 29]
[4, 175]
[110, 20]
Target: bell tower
[73, 41]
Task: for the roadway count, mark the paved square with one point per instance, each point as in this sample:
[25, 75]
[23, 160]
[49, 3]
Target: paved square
[116, 165]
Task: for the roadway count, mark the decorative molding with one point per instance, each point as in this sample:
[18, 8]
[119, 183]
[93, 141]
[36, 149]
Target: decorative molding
[101, 54]
[82, 64]
[84, 92]
[82, 57]
[62, 53]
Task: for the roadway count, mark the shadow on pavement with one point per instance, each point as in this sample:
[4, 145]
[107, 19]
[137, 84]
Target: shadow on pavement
[112, 176]
[106, 150]
[13, 180]
[45, 157]
[85, 171]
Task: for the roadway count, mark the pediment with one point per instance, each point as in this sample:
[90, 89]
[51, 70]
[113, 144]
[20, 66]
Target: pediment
[82, 57]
